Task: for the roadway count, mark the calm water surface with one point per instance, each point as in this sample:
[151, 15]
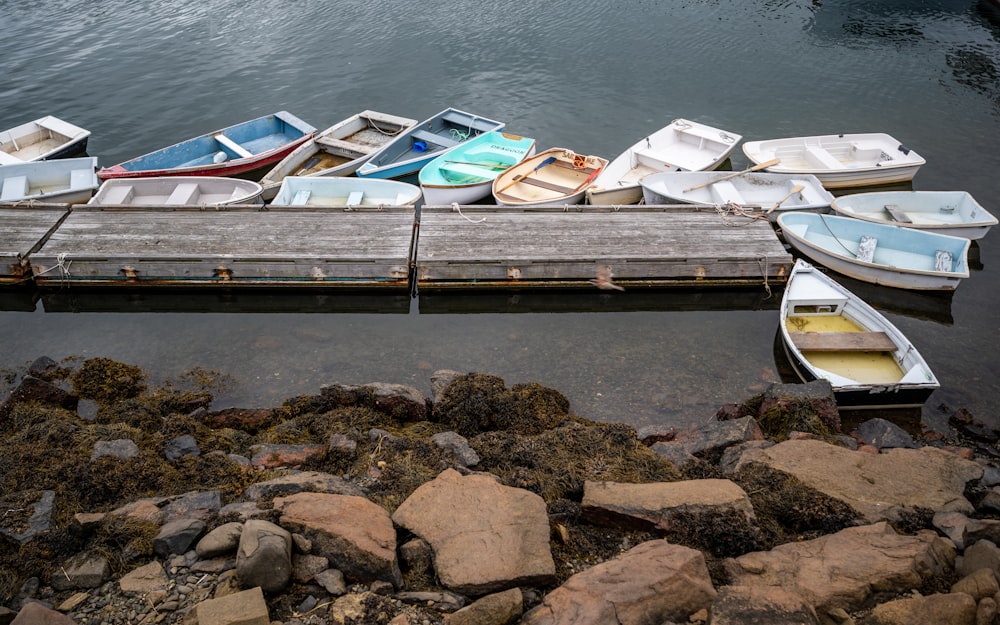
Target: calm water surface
[588, 75]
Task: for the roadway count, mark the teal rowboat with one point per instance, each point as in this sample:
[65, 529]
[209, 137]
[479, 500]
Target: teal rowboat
[465, 173]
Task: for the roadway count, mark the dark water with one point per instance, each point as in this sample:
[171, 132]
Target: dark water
[591, 76]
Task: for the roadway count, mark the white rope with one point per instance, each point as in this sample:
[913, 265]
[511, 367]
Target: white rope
[458, 209]
[762, 263]
[61, 264]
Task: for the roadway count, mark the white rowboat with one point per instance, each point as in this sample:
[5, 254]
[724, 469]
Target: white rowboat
[65, 180]
[44, 139]
[946, 212]
[176, 191]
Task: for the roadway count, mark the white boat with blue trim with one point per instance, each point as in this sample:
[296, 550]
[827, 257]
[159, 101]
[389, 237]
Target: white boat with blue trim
[465, 173]
[830, 333]
[419, 145]
[878, 253]
[945, 212]
[64, 180]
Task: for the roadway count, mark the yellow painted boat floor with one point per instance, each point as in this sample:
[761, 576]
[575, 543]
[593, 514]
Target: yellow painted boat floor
[864, 367]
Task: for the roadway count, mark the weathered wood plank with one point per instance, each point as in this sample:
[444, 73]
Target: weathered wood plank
[843, 341]
[23, 230]
[232, 246]
[647, 246]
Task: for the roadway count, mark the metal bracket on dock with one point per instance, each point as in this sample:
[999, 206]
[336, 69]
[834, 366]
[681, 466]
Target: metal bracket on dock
[514, 273]
[130, 272]
[223, 273]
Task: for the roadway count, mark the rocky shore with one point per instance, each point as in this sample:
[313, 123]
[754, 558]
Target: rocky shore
[482, 505]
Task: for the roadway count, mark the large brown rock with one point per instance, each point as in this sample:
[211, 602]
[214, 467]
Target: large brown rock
[264, 556]
[939, 609]
[650, 584]
[486, 537]
[355, 535]
[845, 569]
[761, 605]
[876, 485]
[651, 505]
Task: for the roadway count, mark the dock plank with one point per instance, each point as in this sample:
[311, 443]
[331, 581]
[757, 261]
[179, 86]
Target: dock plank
[644, 245]
[230, 247]
[23, 230]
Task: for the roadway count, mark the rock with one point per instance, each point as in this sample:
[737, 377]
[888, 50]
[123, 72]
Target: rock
[707, 441]
[84, 570]
[144, 579]
[441, 601]
[440, 380]
[882, 434]
[650, 584]
[981, 555]
[676, 453]
[809, 407]
[202, 504]
[991, 476]
[38, 523]
[978, 584]
[342, 443]
[990, 503]
[87, 409]
[938, 609]
[42, 367]
[876, 486]
[264, 557]
[332, 581]
[242, 608]
[304, 481]
[123, 448]
[245, 510]
[220, 541]
[86, 523]
[401, 402]
[486, 537]
[761, 605]
[459, 447]
[499, 608]
[731, 456]
[34, 613]
[147, 509]
[178, 536]
[416, 555]
[70, 604]
[355, 535]
[306, 567]
[181, 446]
[32, 389]
[828, 573]
[981, 529]
[986, 611]
[646, 506]
[952, 525]
[270, 456]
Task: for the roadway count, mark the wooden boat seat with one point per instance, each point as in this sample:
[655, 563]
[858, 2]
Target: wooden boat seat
[184, 194]
[558, 188]
[14, 188]
[354, 199]
[843, 341]
[345, 146]
[897, 214]
[819, 157]
[436, 139]
[234, 147]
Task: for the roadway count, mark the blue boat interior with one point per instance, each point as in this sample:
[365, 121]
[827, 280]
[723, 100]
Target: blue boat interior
[443, 131]
[240, 141]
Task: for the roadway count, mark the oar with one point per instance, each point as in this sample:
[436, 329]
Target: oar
[796, 189]
[764, 165]
[518, 177]
[487, 165]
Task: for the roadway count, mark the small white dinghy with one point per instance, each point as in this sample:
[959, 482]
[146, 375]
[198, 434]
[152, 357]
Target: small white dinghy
[683, 145]
[878, 253]
[65, 180]
[339, 150]
[945, 212]
[345, 191]
[769, 192]
[848, 160]
[44, 139]
[177, 191]
[829, 333]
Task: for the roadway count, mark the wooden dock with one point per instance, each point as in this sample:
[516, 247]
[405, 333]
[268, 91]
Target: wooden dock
[634, 246]
[436, 248]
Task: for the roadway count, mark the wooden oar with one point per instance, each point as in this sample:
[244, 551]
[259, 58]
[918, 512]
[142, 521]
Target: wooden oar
[764, 165]
[518, 177]
[796, 189]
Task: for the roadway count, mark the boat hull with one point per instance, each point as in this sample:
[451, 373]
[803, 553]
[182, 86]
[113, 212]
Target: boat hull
[246, 148]
[773, 193]
[177, 191]
[465, 173]
[827, 332]
[68, 181]
[46, 138]
[954, 213]
[839, 161]
[683, 145]
[345, 191]
[339, 150]
[904, 259]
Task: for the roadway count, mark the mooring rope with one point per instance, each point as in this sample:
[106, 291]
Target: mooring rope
[458, 209]
[762, 263]
[732, 208]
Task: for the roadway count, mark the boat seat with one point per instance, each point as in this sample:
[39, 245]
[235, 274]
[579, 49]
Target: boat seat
[818, 157]
[300, 198]
[724, 192]
[436, 139]
[14, 188]
[119, 194]
[897, 214]
[843, 341]
[341, 146]
[866, 248]
[459, 171]
[184, 194]
[354, 199]
[558, 188]
[567, 165]
[81, 178]
[234, 147]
